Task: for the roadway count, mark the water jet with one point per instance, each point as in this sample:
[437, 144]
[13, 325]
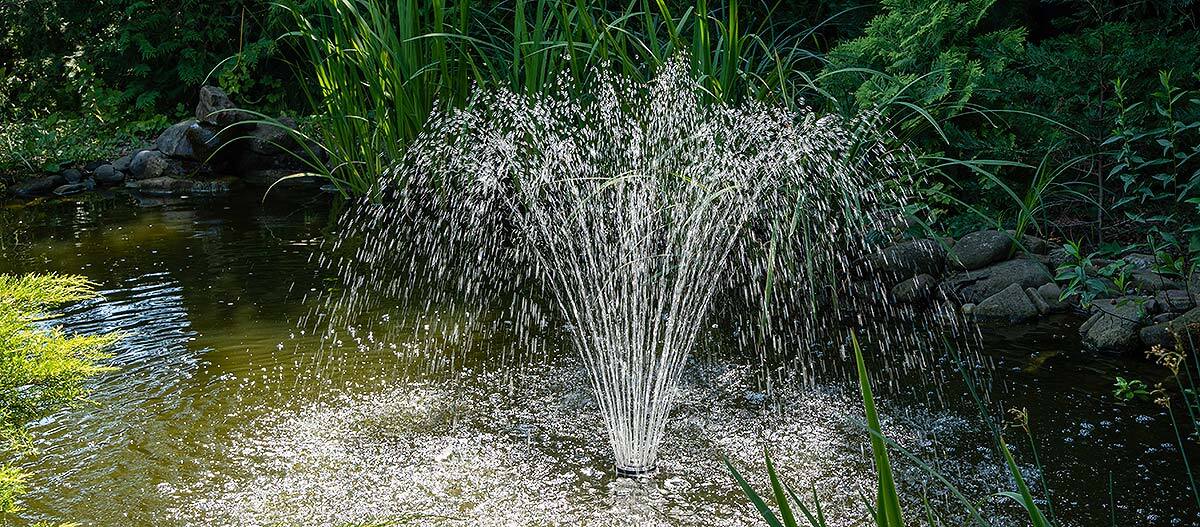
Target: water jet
[618, 221]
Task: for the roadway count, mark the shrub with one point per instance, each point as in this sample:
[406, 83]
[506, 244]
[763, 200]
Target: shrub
[41, 370]
[123, 57]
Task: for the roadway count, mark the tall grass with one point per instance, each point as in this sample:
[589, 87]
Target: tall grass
[380, 67]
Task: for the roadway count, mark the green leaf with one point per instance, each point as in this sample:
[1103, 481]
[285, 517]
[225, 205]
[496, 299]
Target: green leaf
[888, 504]
[763, 509]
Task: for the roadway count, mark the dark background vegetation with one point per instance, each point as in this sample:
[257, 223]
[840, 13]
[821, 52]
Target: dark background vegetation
[1030, 83]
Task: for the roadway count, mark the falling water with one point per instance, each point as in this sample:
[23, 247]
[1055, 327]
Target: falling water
[622, 216]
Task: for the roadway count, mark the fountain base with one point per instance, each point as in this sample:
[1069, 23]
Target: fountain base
[635, 471]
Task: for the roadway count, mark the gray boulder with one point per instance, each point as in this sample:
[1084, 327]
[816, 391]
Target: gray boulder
[216, 108]
[1058, 257]
[273, 140]
[187, 140]
[138, 160]
[1157, 335]
[1039, 258]
[173, 141]
[1146, 281]
[72, 175]
[1043, 307]
[1114, 327]
[1051, 296]
[38, 186]
[1175, 300]
[108, 175]
[1164, 317]
[161, 186]
[169, 186]
[149, 164]
[1186, 327]
[915, 290]
[1031, 244]
[122, 164]
[981, 248]
[1050, 291]
[70, 188]
[1012, 304]
[1181, 329]
[974, 286]
[904, 260]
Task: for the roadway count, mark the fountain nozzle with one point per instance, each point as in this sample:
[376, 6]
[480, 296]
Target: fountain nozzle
[635, 471]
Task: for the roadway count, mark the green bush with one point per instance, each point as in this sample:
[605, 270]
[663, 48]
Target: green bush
[51, 143]
[930, 54]
[1068, 79]
[1156, 163]
[41, 370]
[134, 57]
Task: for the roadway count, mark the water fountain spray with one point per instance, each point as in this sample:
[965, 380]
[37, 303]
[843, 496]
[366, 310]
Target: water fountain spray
[620, 212]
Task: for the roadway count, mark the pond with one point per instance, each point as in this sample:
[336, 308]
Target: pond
[224, 411]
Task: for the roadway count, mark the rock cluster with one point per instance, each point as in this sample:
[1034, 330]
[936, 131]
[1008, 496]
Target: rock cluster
[221, 149]
[994, 276]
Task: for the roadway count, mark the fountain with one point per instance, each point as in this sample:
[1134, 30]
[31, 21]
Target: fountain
[622, 219]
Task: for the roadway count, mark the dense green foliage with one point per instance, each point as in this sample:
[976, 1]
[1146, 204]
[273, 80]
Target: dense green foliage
[119, 56]
[84, 79]
[1037, 114]
[41, 370]
[932, 55]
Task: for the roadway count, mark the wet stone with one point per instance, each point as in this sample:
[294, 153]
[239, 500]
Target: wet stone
[914, 290]
[70, 188]
[1175, 300]
[981, 248]
[1148, 281]
[1114, 327]
[905, 260]
[1012, 304]
[37, 186]
[974, 286]
[108, 175]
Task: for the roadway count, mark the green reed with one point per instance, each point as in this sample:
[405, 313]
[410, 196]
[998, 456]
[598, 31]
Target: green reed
[886, 511]
[379, 68]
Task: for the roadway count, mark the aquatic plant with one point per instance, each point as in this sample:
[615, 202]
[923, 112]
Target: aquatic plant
[381, 68]
[886, 511]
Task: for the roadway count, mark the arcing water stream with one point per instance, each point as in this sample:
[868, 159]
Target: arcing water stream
[628, 212]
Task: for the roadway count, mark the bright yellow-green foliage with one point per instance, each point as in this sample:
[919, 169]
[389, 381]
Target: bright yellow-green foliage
[41, 369]
[12, 485]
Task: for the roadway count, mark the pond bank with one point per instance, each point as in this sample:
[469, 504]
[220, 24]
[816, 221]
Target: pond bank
[1126, 306]
[223, 149]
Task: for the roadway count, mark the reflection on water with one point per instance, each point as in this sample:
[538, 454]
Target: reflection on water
[223, 412]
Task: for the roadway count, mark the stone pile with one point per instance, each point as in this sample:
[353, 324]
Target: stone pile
[221, 149]
[996, 277]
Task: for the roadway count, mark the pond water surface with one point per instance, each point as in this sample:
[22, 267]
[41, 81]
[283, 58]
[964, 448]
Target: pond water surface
[223, 411]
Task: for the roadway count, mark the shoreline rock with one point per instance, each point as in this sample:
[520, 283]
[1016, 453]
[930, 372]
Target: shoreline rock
[214, 153]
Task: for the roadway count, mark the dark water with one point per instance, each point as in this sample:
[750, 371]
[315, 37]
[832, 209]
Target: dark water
[224, 412]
